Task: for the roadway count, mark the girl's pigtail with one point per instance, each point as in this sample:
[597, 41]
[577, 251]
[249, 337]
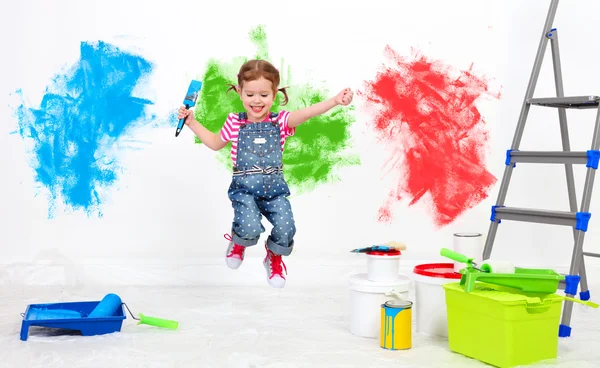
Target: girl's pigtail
[232, 87]
[286, 99]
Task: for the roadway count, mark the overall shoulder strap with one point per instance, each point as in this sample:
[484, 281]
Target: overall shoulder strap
[274, 117]
[242, 117]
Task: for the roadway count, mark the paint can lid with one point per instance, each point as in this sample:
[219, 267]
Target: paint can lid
[467, 235]
[398, 303]
[384, 253]
[439, 270]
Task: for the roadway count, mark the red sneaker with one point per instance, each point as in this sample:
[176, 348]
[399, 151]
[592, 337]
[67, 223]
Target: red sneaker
[275, 267]
[235, 253]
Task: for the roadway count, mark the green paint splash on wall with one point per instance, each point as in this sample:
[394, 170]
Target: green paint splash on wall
[314, 152]
[258, 37]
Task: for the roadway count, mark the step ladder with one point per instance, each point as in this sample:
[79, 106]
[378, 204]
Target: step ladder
[578, 220]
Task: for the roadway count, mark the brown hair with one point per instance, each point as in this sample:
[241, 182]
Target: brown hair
[253, 70]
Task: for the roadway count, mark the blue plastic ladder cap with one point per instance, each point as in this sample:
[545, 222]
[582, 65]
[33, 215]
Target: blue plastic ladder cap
[581, 220]
[507, 161]
[571, 284]
[493, 217]
[564, 331]
[584, 295]
[593, 159]
[553, 29]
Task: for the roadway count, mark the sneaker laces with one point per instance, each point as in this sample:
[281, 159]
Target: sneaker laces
[276, 263]
[237, 249]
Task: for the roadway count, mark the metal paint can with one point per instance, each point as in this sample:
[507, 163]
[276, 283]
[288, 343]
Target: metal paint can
[396, 325]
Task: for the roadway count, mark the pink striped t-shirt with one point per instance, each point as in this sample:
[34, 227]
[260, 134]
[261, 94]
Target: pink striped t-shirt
[229, 131]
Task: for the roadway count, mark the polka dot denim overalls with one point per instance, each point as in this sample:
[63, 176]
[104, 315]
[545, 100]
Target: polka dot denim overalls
[259, 188]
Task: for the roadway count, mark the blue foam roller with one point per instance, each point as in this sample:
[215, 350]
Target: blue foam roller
[107, 307]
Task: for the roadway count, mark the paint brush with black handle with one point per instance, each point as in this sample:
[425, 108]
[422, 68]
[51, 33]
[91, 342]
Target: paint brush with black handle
[189, 101]
[387, 247]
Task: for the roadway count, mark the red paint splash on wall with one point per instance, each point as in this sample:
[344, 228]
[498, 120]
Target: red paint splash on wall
[425, 110]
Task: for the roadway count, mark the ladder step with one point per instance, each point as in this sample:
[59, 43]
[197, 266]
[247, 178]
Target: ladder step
[597, 255]
[590, 158]
[579, 220]
[576, 102]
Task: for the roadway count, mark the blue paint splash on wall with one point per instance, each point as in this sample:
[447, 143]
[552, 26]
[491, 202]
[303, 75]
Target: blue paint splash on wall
[82, 115]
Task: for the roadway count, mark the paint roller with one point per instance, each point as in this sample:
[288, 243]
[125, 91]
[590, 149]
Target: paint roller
[497, 266]
[189, 101]
[488, 266]
[109, 305]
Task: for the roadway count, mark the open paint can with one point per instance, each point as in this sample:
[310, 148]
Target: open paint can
[396, 325]
[469, 244]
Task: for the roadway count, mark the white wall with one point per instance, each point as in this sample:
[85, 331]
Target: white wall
[165, 218]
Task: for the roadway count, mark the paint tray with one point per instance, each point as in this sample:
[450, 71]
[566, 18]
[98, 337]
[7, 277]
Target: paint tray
[529, 280]
[70, 316]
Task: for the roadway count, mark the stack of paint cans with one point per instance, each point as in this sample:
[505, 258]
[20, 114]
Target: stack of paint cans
[379, 301]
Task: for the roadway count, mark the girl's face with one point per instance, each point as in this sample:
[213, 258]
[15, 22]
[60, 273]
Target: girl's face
[257, 97]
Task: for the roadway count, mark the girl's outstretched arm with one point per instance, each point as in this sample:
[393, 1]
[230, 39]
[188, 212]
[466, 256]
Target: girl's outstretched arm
[300, 116]
[208, 138]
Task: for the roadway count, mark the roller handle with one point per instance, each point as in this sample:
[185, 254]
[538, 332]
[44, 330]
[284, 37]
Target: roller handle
[158, 322]
[153, 321]
[455, 256]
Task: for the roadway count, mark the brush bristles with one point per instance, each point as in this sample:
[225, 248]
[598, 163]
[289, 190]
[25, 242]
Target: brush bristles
[399, 246]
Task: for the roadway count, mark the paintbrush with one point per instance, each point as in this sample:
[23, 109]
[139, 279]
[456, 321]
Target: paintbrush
[189, 101]
[387, 247]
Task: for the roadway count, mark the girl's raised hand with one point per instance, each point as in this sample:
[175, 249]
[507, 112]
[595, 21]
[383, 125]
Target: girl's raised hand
[344, 97]
[187, 114]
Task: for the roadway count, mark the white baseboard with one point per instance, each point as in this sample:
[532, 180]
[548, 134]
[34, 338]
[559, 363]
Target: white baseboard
[201, 272]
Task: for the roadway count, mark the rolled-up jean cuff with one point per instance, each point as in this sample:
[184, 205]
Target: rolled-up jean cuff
[278, 249]
[243, 242]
